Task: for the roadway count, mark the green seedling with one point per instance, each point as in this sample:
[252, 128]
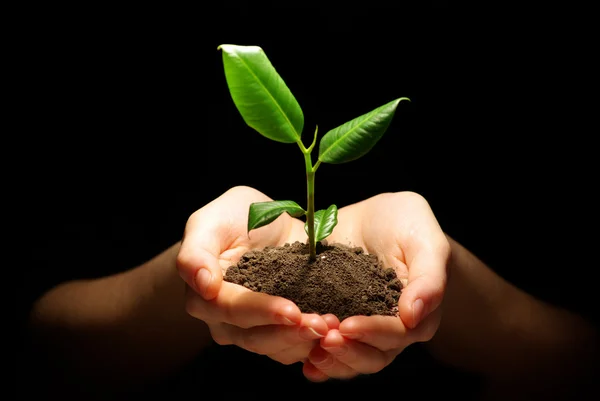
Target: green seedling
[268, 106]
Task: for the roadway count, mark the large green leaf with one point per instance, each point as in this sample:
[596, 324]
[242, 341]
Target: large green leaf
[355, 138]
[260, 95]
[263, 213]
[325, 222]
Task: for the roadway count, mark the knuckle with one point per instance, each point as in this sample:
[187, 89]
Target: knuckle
[241, 190]
[427, 332]
[220, 336]
[233, 311]
[252, 344]
[412, 196]
[426, 336]
[242, 323]
[398, 342]
[183, 259]
[351, 375]
[444, 251]
[228, 310]
[404, 196]
[438, 287]
[291, 338]
[401, 197]
[445, 248]
[392, 346]
[284, 359]
[343, 373]
[325, 365]
[192, 307]
[288, 361]
[373, 368]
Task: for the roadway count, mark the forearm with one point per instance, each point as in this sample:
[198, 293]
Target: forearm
[119, 329]
[493, 328]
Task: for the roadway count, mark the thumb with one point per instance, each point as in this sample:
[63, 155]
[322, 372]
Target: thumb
[198, 263]
[425, 289]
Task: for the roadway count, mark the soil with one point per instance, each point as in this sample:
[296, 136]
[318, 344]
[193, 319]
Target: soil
[342, 280]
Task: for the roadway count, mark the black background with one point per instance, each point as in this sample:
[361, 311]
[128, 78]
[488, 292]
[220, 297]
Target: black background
[129, 127]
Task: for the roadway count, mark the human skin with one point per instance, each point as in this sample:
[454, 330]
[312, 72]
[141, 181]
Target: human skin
[399, 228]
[115, 327]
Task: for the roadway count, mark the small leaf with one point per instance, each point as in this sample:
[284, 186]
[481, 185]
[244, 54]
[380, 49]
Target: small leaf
[355, 138]
[260, 95]
[325, 222]
[263, 213]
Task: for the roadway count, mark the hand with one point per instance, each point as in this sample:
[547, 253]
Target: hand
[215, 237]
[401, 229]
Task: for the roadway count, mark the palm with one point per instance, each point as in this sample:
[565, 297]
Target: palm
[215, 238]
[402, 231]
[381, 226]
[284, 230]
[227, 217]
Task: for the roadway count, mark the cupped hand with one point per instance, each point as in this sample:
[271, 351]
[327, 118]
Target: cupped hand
[216, 237]
[401, 229]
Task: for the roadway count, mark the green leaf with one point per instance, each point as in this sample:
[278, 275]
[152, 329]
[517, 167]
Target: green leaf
[325, 222]
[260, 95]
[357, 137]
[263, 213]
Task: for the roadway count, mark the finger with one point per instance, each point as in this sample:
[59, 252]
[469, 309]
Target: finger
[329, 365]
[420, 242]
[313, 374]
[197, 260]
[212, 230]
[388, 333]
[239, 306]
[332, 321]
[415, 238]
[426, 284]
[292, 355]
[382, 332]
[266, 340]
[358, 356]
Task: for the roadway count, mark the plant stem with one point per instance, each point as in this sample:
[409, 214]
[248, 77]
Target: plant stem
[310, 197]
[310, 213]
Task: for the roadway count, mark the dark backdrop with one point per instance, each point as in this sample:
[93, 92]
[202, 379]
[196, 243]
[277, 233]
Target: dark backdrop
[129, 128]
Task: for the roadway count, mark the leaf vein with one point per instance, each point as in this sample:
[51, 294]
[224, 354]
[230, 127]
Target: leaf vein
[270, 95]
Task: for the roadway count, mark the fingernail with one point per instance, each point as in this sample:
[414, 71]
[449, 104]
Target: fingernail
[203, 279]
[308, 333]
[285, 320]
[337, 351]
[353, 336]
[417, 311]
[321, 359]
